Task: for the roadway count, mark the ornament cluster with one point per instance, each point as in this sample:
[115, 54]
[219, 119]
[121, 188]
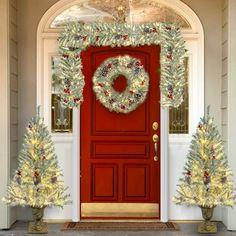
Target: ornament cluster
[77, 36]
[137, 83]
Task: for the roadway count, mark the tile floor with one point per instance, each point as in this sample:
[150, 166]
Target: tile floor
[20, 229]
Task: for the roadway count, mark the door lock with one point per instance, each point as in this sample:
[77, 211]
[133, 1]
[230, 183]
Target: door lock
[155, 126]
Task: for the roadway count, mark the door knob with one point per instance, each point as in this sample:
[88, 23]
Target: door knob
[155, 138]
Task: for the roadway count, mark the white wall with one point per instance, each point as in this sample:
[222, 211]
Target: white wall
[209, 13]
[224, 76]
[28, 15]
[229, 70]
[224, 86]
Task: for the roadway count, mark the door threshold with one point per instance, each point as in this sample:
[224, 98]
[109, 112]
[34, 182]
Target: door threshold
[120, 210]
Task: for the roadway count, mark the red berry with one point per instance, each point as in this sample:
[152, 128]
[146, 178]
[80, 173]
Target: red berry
[67, 90]
[206, 174]
[101, 85]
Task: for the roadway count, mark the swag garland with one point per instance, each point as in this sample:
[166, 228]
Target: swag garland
[136, 89]
[77, 36]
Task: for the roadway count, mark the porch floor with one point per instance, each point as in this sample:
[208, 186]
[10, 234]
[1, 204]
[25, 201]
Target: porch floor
[20, 229]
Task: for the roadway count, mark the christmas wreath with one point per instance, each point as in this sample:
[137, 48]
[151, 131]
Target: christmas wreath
[135, 91]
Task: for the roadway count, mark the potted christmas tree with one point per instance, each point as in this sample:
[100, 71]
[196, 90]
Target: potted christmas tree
[207, 178]
[36, 181]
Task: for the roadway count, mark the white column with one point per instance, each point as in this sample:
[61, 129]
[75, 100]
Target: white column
[231, 224]
[4, 110]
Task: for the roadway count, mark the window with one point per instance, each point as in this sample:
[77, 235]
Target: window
[179, 117]
[61, 118]
[138, 11]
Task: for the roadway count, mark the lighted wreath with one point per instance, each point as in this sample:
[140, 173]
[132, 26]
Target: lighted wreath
[78, 36]
[135, 91]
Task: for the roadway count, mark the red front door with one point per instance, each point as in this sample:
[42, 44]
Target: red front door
[119, 176]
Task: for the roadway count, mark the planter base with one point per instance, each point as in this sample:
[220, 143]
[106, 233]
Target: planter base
[38, 229]
[207, 228]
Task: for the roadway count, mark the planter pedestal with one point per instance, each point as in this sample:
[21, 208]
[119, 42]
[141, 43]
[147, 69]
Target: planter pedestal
[37, 226]
[207, 227]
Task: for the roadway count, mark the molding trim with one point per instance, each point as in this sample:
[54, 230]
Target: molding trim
[5, 109]
[164, 165]
[231, 213]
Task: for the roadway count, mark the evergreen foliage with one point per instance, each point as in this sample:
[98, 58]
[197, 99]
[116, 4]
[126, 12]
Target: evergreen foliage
[207, 178]
[77, 36]
[36, 181]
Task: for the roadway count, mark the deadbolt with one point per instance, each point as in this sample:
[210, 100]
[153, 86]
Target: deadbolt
[155, 126]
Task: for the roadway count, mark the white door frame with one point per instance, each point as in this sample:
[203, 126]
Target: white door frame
[44, 35]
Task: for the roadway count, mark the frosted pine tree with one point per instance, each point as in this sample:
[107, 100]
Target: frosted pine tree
[36, 181]
[207, 178]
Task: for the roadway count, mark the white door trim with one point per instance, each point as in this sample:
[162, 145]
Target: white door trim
[45, 34]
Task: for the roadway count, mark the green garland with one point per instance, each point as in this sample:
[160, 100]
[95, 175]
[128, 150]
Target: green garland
[137, 80]
[78, 36]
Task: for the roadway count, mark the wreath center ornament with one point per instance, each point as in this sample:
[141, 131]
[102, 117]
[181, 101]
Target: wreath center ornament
[137, 83]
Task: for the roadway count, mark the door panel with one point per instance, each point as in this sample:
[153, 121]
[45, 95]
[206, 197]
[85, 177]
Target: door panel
[136, 182]
[120, 149]
[104, 182]
[117, 150]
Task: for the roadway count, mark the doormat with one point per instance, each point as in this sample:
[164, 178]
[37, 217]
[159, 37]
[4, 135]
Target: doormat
[141, 226]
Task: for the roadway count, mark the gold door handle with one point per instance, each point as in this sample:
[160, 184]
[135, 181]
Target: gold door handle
[155, 150]
[155, 139]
